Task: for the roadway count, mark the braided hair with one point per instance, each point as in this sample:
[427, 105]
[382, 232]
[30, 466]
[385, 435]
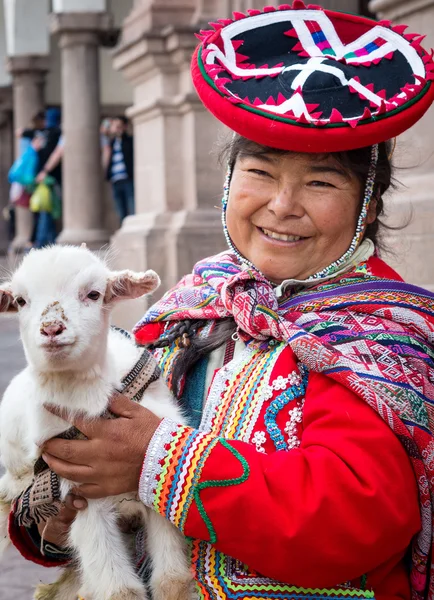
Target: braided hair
[192, 346]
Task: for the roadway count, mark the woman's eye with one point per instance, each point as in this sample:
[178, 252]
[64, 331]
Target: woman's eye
[20, 301]
[94, 296]
[321, 184]
[259, 172]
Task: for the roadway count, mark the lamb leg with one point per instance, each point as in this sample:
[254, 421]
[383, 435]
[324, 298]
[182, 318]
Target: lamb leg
[107, 572]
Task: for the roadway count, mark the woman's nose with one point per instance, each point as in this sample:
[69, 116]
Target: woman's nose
[285, 204]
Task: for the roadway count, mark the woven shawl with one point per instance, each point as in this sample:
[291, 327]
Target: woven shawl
[372, 335]
[42, 499]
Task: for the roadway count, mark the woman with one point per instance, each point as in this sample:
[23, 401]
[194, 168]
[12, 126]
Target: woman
[304, 362]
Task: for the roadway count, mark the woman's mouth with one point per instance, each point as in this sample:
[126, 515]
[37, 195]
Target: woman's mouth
[281, 237]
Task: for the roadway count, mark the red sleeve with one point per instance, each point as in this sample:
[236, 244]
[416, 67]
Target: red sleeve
[341, 504]
[23, 542]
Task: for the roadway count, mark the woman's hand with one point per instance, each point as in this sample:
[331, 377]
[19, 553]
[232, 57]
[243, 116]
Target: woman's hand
[57, 528]
[110, 461]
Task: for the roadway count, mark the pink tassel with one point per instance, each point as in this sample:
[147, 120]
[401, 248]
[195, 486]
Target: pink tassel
[336, 116]
[284, 7]
[366, 114]
[401, 101]
[382, 109]
[411, 36]
[225, 22]
[382, 94]
[292, 33]
[254, 12]
[298, 5]
[384, 23]
[316, 115]
[302, 119]
[376, 61]
[268, 9]
[257, 102]
[400, 29]
[239, 15]
[304, 54]
[311, 107]
[199, 37]
[214, 69]
[389, 56]
[216, 26]
[420, 79]
[281, 99]
[314, 7]
[236, 44]
[298, 47]
[241, 57]
[353, 123]
[271, 101]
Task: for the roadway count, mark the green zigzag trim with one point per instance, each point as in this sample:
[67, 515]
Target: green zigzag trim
[220, 483]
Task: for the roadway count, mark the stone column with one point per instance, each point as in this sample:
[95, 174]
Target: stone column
[177, 181]
[83, 202]
[28, 80]
[413, 247]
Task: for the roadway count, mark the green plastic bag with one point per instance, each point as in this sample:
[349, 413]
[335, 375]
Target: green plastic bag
[41, 200]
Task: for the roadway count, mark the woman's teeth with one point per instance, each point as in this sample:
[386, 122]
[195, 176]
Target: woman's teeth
[281, 236]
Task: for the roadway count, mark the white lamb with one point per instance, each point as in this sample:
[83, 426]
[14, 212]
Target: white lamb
[64, 297]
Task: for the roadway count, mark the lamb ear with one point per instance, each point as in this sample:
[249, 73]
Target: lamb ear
[127, 285]
[7, 301]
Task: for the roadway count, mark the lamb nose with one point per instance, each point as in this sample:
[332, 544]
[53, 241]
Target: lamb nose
[52, 329]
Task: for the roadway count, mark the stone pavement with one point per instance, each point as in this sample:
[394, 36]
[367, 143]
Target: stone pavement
[17, 576]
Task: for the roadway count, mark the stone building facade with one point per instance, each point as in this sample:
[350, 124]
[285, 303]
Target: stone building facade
[35, 64]
[177, 177]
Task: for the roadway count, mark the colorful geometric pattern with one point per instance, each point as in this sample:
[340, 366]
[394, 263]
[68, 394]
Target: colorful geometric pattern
[372, 335]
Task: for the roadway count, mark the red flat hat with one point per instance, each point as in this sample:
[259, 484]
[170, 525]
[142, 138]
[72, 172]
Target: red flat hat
[306, 79]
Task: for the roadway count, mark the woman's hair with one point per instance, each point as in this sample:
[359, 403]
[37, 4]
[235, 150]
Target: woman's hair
[356, 162]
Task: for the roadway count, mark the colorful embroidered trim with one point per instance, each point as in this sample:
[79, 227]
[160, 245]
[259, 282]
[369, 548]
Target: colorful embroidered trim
[220, 483]
[219, 576]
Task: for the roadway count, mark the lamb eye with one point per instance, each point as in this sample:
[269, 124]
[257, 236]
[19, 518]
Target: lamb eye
[94, 296]
[20, 301]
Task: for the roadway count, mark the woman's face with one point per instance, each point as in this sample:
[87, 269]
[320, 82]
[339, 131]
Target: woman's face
[292, 215]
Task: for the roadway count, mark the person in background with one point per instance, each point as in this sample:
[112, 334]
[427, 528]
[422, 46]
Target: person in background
[118, 163]
[50, 152]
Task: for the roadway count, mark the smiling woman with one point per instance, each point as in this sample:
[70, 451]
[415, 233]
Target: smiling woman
[292, 215]
[304, 362]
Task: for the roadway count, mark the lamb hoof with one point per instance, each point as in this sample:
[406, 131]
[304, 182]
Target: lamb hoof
[172, 589]
[65, 588]
[49, 591]
[130, 595]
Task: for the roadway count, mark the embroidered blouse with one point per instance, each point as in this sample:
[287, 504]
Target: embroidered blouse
[290, 483]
